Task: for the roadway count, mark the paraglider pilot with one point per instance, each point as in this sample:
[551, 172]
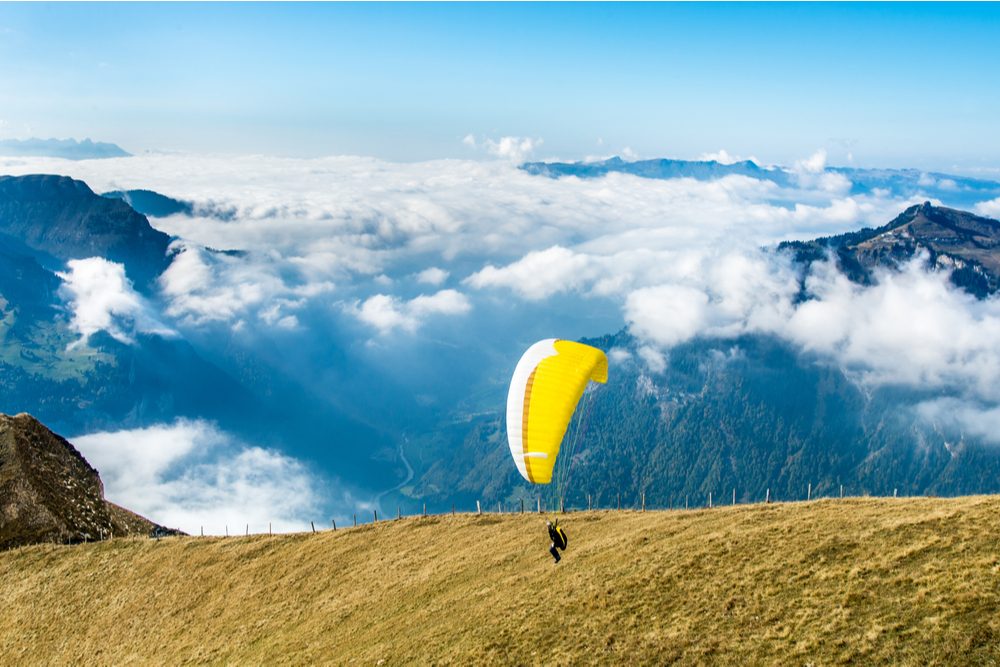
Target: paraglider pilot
[558, 537]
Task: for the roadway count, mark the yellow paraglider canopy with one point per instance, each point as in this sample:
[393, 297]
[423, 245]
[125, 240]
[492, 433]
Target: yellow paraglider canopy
[548, 382]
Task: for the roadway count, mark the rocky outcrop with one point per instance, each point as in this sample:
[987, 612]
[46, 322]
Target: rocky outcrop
[49, 493]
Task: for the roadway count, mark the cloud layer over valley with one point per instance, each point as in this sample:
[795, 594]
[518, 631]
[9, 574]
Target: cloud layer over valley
[193, 476]
[447, 257]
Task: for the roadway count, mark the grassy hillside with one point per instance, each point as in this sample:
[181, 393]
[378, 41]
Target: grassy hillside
[909, 581]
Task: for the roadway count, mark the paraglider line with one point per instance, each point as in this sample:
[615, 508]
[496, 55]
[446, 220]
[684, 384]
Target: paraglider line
[581, 431]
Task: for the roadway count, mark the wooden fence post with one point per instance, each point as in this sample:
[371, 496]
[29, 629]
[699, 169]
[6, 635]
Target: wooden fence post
[227, 530]
[269, 528]
[479, 510]
[809, 491]
[562, 507]
[841, 490]
[248, 530]
[522, 505]
[313, 526]
[894, 492]
[425, 509]
[643, 501]
[539, 499]
[767, 497]
[334, 524]
[589, 507]
[709, 500]
[499, 508]
[375, 512]
[202, 531]
[734, 497]
[355, 519]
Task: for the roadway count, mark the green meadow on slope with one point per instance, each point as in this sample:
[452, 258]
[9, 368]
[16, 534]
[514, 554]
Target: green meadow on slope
[907, 581]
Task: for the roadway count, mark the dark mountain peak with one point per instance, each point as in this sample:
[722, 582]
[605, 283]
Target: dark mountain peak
[963, 243]
[64, 218]
[49, 493]
[31, 438]
[34, 187]
[926, 223]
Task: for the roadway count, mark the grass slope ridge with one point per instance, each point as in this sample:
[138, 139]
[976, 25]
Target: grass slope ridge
[911, 581]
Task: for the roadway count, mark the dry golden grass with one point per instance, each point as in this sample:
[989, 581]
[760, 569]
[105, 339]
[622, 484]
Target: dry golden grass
[861, 581]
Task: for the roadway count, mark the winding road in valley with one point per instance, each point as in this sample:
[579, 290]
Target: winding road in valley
[377, 501]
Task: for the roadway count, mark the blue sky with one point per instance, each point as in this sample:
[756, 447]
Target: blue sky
[880, 84]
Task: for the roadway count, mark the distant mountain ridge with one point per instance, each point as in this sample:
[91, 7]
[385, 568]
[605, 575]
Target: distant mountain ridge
[49, 493]
[70, 149]
[952, 189]
[965, 244]
[662, 168]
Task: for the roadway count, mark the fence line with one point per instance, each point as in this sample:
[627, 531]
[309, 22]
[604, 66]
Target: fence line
[587, 503]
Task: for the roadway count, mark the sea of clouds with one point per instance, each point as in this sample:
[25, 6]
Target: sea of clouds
[430, 253]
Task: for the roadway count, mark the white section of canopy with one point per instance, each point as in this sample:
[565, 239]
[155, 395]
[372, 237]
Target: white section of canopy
[515, 398]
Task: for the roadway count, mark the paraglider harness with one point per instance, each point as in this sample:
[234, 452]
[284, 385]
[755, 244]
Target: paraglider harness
[558, 537]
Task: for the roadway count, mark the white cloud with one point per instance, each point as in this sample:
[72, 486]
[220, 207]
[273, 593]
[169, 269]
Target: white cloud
[989, 209]
[274, 316]
[538, 274]
[953, 416]
[201, 286]
[929, 181]
[445, 302]
[653, 358]
[911, 328]
[190, 475]
[668, 314]
[618, 355]
[811, 173]
[388, 313]
[814, 164]
[432, 276]
[515, 149]
[103, 299]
